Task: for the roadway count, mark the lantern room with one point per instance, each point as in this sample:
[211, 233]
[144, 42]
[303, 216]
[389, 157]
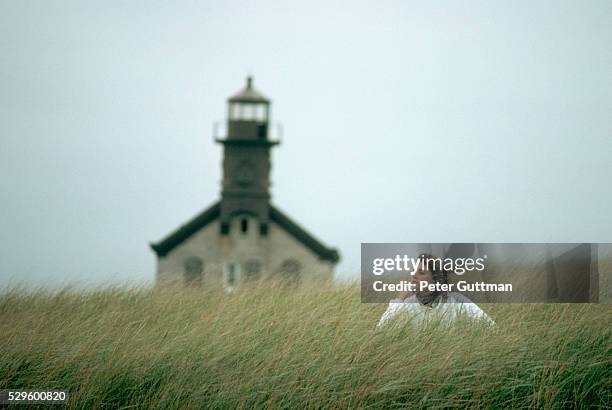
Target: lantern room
[248, 114]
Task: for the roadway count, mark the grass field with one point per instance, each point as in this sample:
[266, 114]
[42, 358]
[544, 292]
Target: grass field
[270, 346]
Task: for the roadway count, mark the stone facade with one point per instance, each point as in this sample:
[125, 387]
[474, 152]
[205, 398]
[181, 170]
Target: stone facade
[252, 256]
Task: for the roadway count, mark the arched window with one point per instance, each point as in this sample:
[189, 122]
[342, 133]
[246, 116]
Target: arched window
[194, 270]
[252, 269]
[290, 270]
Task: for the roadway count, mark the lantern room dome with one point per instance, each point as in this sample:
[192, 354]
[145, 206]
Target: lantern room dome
[249, 94]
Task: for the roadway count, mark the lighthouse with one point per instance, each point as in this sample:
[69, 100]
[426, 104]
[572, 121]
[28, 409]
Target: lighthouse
[242, 237]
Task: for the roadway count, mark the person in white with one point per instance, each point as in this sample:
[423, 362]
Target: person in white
[422, 306]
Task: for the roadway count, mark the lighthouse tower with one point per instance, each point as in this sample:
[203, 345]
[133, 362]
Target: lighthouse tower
[246, 159]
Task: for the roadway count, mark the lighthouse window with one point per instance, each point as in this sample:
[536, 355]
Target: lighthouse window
[248, 111]
[260, 112]
[234, 111]
[244, 225]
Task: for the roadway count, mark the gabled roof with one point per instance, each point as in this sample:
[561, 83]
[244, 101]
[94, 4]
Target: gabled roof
[304, 237]
[185, 231]
[163, 247]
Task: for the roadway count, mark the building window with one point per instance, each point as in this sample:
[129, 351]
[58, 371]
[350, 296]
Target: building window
[194, 270]
[252, 270]
[290, 271]
[231, 275]
[244, 225]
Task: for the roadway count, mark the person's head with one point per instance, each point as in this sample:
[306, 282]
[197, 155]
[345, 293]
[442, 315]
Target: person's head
[422, 273]
[429, 269]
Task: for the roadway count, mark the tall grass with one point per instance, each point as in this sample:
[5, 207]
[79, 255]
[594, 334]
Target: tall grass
[271, 346]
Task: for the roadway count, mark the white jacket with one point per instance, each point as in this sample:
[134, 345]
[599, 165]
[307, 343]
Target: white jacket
[456, 305]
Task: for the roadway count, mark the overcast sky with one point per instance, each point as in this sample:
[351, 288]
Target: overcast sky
[403, 122]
